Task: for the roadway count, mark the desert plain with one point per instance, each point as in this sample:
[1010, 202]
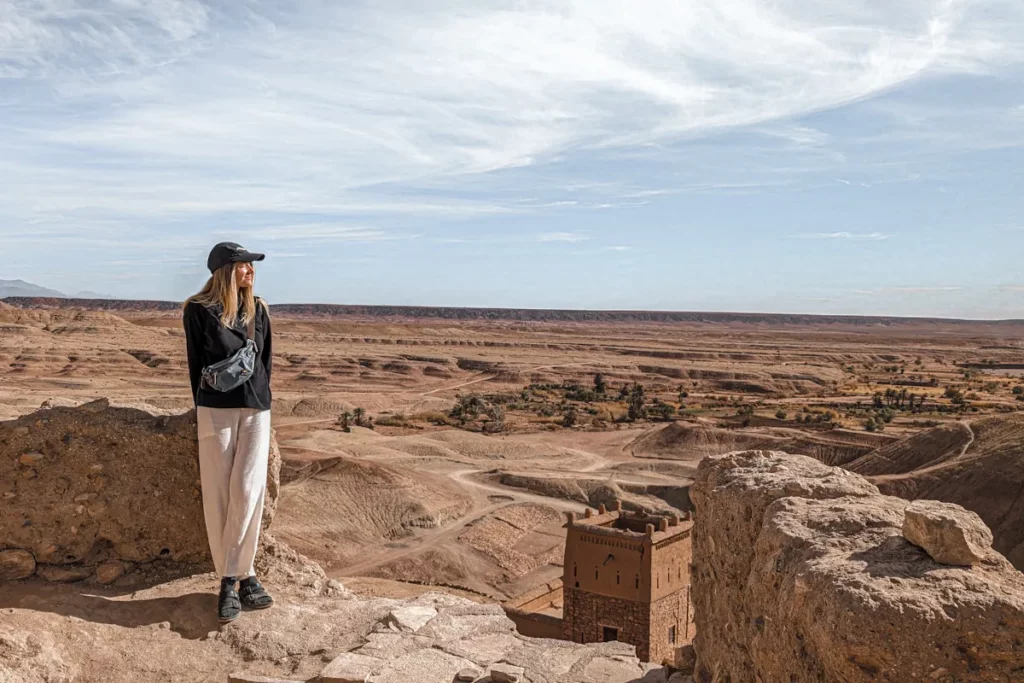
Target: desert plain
[439, 449]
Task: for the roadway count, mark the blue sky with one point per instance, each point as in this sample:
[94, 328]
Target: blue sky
[825, 156]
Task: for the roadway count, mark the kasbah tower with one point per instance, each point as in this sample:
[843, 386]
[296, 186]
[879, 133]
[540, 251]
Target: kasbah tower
[627, 578]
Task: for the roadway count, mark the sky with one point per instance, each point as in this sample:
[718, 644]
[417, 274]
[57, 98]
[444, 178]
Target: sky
[812, 156]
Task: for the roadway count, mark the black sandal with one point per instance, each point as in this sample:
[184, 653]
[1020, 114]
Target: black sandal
[228, 604]
[253, 595]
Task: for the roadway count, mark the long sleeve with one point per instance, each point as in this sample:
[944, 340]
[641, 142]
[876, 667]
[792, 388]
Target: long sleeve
[268, 352]
[194, 347]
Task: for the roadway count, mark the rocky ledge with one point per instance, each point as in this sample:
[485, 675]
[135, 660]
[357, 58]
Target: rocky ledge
[803, 572]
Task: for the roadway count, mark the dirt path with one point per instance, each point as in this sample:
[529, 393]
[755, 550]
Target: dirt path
[482, 507]
[931, 468]
[458, 386]
[485, 378]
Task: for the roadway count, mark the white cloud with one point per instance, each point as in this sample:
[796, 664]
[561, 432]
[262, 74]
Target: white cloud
[170, 107]
[852, 236]
[562, 237]
[913, 290]
[318, 232]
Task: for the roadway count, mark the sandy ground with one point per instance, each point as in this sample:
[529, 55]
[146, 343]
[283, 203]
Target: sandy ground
[417, 503]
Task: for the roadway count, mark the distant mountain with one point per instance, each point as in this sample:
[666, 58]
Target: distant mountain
[22, 288]
[86, 294]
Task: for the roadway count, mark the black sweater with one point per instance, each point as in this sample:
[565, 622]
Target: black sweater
[208, 341]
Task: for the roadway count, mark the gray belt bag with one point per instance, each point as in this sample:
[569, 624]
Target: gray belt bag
[236, 369]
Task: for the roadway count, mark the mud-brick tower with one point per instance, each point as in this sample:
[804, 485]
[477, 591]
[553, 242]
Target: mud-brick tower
[627, 578]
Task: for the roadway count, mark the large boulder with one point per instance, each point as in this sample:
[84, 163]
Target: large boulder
[802, 573]
[84, 486]
[947, 532]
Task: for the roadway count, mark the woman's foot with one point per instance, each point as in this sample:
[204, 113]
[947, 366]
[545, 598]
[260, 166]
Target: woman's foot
[253, 595]
[228, 604]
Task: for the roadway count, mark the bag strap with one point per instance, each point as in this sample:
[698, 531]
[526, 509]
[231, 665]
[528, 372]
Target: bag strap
[250, 328]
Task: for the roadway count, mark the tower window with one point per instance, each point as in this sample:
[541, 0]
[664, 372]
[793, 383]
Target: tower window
[595, 573]
[574, 570]
[616, 579]
[638, 581]
[671, 634]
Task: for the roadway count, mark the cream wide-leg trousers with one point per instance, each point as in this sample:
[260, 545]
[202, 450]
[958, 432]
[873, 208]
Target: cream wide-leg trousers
[234, 444]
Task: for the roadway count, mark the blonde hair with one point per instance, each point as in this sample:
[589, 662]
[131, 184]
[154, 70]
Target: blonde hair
[222, 289]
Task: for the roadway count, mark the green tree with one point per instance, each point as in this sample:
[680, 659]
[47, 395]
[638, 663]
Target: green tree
[600, 386]
[663, 410]
[569, 419]
[343, 421]
[636, 404]
[624, 392]
[360, 416]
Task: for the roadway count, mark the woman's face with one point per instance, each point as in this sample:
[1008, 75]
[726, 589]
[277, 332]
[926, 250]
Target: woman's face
[245, 273]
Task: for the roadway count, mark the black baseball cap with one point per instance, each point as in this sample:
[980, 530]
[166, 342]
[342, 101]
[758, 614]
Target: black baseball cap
[228, 252]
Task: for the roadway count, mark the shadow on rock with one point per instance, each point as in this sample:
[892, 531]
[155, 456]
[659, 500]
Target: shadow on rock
[895, 557]
[192, 615]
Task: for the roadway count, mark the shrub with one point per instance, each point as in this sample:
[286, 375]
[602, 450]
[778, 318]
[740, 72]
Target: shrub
[635, 405]
[780, 414]
[569, 419]
[663, 410]
[398, 420]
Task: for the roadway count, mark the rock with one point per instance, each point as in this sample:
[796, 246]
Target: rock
[422, 666]
[59, 574]
[350, 668]
[657, 675]
[483, 650]
[505, 673]
[686, 659]
[149, 462]
[16, 564]
[249, 678]
[110, 571]
[458, 622]
[811, 579]
[612, 669]
[735, 489]
[409, 619]
[32, 658]
[947, 532]
[467, 675]
[29, 459]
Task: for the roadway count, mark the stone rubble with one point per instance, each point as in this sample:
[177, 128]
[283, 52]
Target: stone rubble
[464, 640]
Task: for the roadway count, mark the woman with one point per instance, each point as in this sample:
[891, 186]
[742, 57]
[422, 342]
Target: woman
[234, 425]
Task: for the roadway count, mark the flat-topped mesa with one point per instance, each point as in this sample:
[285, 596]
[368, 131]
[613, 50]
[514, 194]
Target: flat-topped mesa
[803, 572]
[626, 577]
